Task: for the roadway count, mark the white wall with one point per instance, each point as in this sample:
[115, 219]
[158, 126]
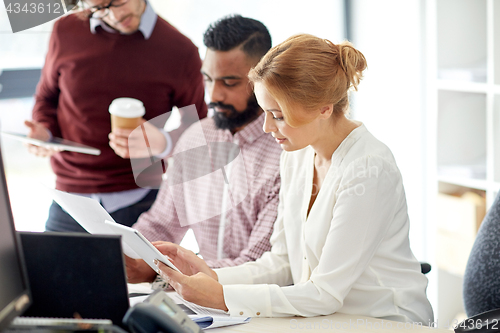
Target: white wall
[283, 18]
[390, 100]
[25, 49]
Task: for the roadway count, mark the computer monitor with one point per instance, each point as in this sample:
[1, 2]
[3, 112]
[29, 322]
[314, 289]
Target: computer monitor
[14, 290]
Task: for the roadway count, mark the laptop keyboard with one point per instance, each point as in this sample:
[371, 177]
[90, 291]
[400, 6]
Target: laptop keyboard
[40, 321]
[46, 325]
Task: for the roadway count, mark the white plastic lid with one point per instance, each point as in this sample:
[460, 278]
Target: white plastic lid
[126, 107]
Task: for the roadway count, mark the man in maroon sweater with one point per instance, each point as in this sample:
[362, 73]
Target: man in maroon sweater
[110, 50]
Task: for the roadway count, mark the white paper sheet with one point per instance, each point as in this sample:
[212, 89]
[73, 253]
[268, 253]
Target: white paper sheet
[138, 292]
[89, 214]
[141, 245]
[206, 317]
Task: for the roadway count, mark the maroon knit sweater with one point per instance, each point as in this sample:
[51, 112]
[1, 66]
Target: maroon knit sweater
[84, 72]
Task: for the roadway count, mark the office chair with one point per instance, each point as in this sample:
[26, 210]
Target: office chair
[481, 289]
[18, 83]
[425, 267]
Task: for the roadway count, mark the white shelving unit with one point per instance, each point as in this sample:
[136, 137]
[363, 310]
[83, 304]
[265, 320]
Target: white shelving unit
[463, 119]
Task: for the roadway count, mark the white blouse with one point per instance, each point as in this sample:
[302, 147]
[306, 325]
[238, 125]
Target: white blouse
[351, 254]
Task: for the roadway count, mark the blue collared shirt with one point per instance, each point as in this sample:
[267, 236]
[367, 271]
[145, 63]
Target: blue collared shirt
[148, 21]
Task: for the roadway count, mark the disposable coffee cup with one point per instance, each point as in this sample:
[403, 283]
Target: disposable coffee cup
[126, 113]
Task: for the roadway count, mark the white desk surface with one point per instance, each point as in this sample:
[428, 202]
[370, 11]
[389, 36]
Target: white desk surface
[336, 322]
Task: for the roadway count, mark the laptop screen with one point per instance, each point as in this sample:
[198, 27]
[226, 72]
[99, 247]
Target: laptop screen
[14, 292]
[76, 275]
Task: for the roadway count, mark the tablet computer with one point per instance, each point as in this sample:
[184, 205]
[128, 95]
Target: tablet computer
[62, 144]
[141, 245]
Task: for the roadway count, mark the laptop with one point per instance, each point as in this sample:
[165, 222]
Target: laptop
[75, 275]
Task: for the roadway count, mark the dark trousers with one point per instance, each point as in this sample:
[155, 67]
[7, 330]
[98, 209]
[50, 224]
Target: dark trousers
[59, 220]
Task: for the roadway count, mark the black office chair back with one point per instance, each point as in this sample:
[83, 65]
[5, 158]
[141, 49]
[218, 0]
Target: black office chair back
[425, 267]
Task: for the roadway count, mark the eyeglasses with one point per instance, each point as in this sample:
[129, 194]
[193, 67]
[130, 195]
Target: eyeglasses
[100, 12]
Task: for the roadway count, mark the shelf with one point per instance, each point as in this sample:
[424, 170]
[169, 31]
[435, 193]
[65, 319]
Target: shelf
[465, 101]
[496, 138]
[463, 86]
[461, 130]
[478, 184]
[461, 39]
[496, 42]
[477, 75]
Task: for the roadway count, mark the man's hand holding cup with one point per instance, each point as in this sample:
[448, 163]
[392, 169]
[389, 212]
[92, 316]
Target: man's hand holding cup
[131, 135]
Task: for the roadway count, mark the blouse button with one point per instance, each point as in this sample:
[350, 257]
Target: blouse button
[241, 313]
[258, 313]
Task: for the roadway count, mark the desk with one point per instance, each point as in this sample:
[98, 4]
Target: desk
[331, 323]
[335, 322]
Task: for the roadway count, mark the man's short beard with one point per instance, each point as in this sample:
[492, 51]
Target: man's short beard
[232, 119]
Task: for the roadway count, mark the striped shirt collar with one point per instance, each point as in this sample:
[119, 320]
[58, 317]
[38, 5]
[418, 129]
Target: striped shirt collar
[148, 22]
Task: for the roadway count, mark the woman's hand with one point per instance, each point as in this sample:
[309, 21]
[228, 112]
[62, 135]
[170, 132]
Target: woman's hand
[186, 261]
[199, 288]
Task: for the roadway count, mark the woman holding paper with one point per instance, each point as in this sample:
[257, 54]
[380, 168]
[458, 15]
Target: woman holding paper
[340, 242]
